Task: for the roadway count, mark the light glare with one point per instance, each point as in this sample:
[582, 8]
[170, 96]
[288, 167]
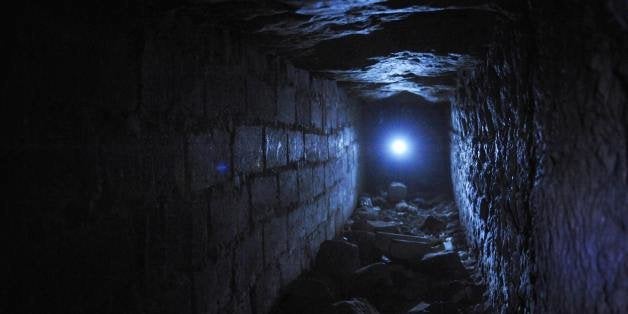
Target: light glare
[399, 147]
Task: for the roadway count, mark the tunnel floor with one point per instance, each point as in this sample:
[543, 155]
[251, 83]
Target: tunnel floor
[396, 254]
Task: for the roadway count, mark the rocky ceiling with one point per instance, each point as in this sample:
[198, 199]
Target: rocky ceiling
[376, 48]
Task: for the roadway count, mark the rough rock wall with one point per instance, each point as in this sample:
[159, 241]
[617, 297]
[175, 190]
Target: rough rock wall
[492, 170]
[581, 195]
[539, 160]
[164, 166]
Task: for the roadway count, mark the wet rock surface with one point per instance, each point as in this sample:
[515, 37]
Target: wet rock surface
[407, 256]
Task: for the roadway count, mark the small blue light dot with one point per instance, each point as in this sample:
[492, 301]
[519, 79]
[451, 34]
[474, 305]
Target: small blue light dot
[222, 167]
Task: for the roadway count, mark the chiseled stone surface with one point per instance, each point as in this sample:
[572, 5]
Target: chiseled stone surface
[276, 148]
[295, 146]
[539, 162]
[248, 151]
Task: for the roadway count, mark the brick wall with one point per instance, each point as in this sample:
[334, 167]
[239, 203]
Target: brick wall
[293, 157]
[163, 165]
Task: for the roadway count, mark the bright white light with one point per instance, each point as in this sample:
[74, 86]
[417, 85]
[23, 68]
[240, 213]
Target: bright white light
[399, 147]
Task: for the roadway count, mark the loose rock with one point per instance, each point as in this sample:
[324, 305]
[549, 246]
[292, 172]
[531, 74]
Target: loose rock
[306, 295]
[432, 225]
[447, 263]
[384, 226]
[402, 249]
[368, 279]
[397, 192]
[368, 212]
[405, 207]
[467, 295]
[442, 308]
[379, 201]
[398, 236]
[418, 248]
[354, 306]
[419, 308]
[366, 244]
[365, 201]
[337, 258]
[420, 202]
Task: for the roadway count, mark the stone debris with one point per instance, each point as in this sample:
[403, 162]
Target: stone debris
[366, 245]
[417, 238]
[397, 192]
[385, 226]
[441, 308]
[468, 294]
[432, 225]
[447, 262]
[419, 308]
[365, 201]
[337, 258]
[394, 256]
[402, 249]
[448, 245]
[420, 202]
[366, 213]
[306, 295]
[379, 201]
[354, 306]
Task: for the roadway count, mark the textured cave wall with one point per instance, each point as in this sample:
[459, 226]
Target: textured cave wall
[158, 164]
[492, 170]
[539, 161]
[582, 192]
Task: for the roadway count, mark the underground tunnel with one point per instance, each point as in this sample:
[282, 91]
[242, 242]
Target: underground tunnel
[319, 156]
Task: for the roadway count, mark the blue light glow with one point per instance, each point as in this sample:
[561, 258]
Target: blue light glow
[399, 146]
[222, 168]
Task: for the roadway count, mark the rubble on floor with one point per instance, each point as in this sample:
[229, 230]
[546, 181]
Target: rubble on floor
[394, 256]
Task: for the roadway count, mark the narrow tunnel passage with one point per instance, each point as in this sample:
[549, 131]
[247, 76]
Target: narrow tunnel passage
[364, 156]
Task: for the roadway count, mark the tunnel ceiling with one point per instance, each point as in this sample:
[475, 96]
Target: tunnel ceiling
[375, 48]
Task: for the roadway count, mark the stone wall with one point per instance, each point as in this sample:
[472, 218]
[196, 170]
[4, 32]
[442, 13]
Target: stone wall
[540, 160]
[163, 165]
